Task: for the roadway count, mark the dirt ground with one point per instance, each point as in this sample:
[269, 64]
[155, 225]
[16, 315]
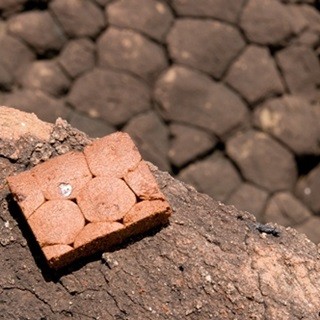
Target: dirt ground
[211, 262]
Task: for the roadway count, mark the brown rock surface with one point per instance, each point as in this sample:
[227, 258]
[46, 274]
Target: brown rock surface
[263, 161]
[77, 57]
[38, 29]
[151, 137]
[285, 209]
[191, 97]
[34, 101]
[293, 121]
[215, 176]
[307, 189]
[311, 227]
[266, 21]
[93, 127]
[254, 75]
[46, 76]
[212, 259]
[11, 6]
[188, 143]
[250, 198]
[187, 37]
[110, 95]
[78, 18]
[150, 17]
[14, 56]
[130, 51]
[301, 70]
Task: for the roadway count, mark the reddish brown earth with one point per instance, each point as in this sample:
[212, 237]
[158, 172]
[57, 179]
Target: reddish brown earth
[211, 262]
[223, 94]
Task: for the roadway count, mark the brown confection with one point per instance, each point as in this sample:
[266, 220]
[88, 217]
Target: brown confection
[113, 155]
[142, 182]
[83, 202]
[63, 177]
[56, 222]
[96, 230]
[105, 199]
[27, 192]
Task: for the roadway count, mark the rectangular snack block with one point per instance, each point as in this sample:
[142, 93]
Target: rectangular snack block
[83, 202]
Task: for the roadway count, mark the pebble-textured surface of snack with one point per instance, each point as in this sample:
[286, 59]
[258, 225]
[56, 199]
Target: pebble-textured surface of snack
[82, 202]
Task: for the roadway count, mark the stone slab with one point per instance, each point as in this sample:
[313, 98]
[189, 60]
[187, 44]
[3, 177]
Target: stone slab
[83, 202]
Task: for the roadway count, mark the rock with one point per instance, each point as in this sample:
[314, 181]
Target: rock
[307, 38]
[77, 57]
[24, 124]
[215, 176]
[308, 189]
[311, 229]
[312, 16]
[301, 70]
[254, 75]
[206, 253]
[6, 78]
[39, 30]
[249, 198]
[47, 108]
[47, 76]
[14, 57]
[151, 17]
[188, 143]
[193, 98]
[209, 46]
[263, 161]
[113, 96]
[225, 10]
[298, 20]
[283, 208]
[291, 120]
[266, 22]
[10, 7]
[131, 52]
[93, 127]
[151, 136]
[78, 18]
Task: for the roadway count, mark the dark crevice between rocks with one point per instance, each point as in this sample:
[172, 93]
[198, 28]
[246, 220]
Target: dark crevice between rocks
[47, 55]
[5, 88]
[274, 49]
[306, 163]
[36, 5]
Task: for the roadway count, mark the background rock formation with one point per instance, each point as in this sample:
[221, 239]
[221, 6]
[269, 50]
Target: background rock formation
[212, 262]
[223, 94]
